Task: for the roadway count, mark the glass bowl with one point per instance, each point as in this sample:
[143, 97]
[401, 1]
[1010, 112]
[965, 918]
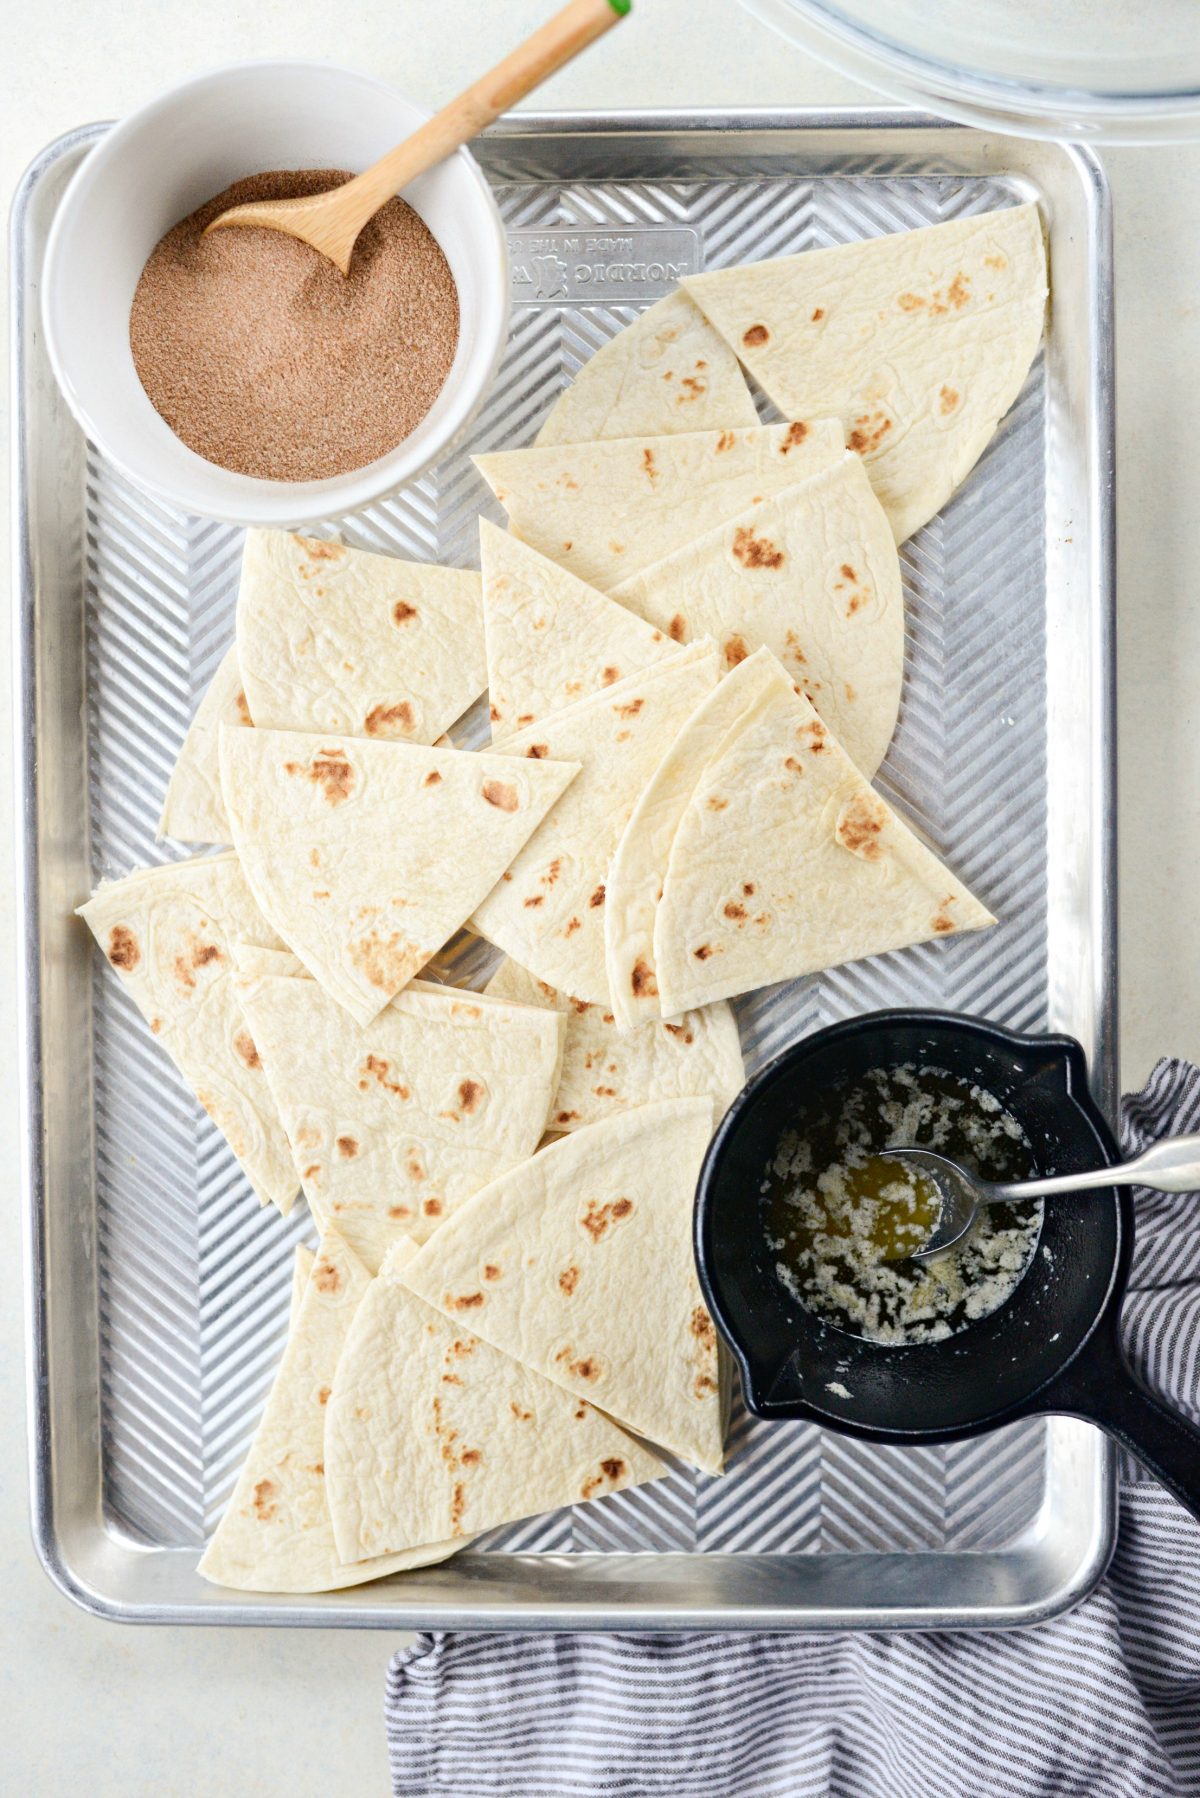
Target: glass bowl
[1106, 70]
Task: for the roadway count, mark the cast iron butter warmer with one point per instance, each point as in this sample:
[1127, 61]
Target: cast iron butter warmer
[1053, 1347]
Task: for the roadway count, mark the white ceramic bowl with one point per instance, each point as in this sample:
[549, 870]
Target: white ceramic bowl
[164, 161]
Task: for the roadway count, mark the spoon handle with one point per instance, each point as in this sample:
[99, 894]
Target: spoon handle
[1169, 1166]
[578, 24]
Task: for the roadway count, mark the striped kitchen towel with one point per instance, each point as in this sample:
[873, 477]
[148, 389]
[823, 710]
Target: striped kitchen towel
[1102, 1703]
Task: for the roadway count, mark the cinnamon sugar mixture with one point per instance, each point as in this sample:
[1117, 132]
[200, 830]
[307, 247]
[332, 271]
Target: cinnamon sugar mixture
[264, 358]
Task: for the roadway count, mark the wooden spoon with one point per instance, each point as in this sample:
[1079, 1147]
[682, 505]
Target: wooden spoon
[331, 222]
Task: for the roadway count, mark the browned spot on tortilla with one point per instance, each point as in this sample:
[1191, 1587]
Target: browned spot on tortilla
[243, 1043]
[797, 432]
[471, 1457]
[385, 962]
[642, 980]
[861, 825]
[735, 912]
[703, 1384]
[630, 709]
[466, 1301]
[471, 1095]
[458, 1505]
[996, 261]
[703, 952]
[618, 549]
[818, 314]
[243, 710]
[264, 1501]
[755, 336]
[310, 1173]
[123, 951]
[724, 442]
[382, 717]
[869, 432]
[566, 1117]
[815, 731]
[535, 899]
[500, 794]
[323, 1395]
[347, 1147]
[956, 293]
[493, 714]
[597, 897]
[715, 803]
[156, 1025]
[648, 466]
[596, 1218]
[943, 923]
[736, 651]
[321, 893]
[748, 888]
[432, 1208]
[491, 1271]
[402, 612]
[611, 1470]
[378, 1068]
[702, 1329]
[433, 778]
[568, 1280]
[792, 765]
[399, 1211]
[521, 1415]
[414, 1167]
[318, 550]
[677, 629]
[909, 302]
[605, 1092]
[755, 552]
[572, 925]
[947, 401]
[325, 1276]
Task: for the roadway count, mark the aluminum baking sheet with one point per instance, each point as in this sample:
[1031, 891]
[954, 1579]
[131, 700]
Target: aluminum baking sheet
[158, 1290]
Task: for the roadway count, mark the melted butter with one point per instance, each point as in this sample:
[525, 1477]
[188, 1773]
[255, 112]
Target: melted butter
[844, 1217]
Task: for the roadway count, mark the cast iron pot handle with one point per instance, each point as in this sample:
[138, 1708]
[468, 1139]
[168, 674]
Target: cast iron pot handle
[1100, 1385]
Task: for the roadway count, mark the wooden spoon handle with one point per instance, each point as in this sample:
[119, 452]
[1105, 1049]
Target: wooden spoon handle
[579, 24]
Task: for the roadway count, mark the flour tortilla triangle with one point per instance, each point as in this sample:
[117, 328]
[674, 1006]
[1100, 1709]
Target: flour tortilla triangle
[919, 342]
[668, 371]
[194, 808]
[811, 573]
[276, 1534]
[551, 639]
[606, 1069]
[547, 912]
[783, 860]
[170, 934]
[579, 1262]
[331, 638]
[302, 1267]
[607, 510]
[433, 1433]
[366, 857]
[395, 1122]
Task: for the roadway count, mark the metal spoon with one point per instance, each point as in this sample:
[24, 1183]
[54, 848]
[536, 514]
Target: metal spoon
[1170, 1166]
[331, 222]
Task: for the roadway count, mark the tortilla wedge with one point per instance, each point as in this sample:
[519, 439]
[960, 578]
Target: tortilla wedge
[276, 1534]
[336, 639]
[811, 573]
[169, 933]
[667, 371]
[547, 911]
[194, 807]
[919, 342]
[431, 1432]
[773, 856]
[606, 1069]
[367, 856]
[553, 1260]
[395, 1122]
[551, 639]
[607, 510]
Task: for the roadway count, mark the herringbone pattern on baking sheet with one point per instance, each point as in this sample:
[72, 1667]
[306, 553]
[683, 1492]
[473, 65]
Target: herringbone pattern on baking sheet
[194, 1276]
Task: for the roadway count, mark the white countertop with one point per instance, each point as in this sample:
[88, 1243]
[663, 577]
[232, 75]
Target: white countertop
[99, 1709]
